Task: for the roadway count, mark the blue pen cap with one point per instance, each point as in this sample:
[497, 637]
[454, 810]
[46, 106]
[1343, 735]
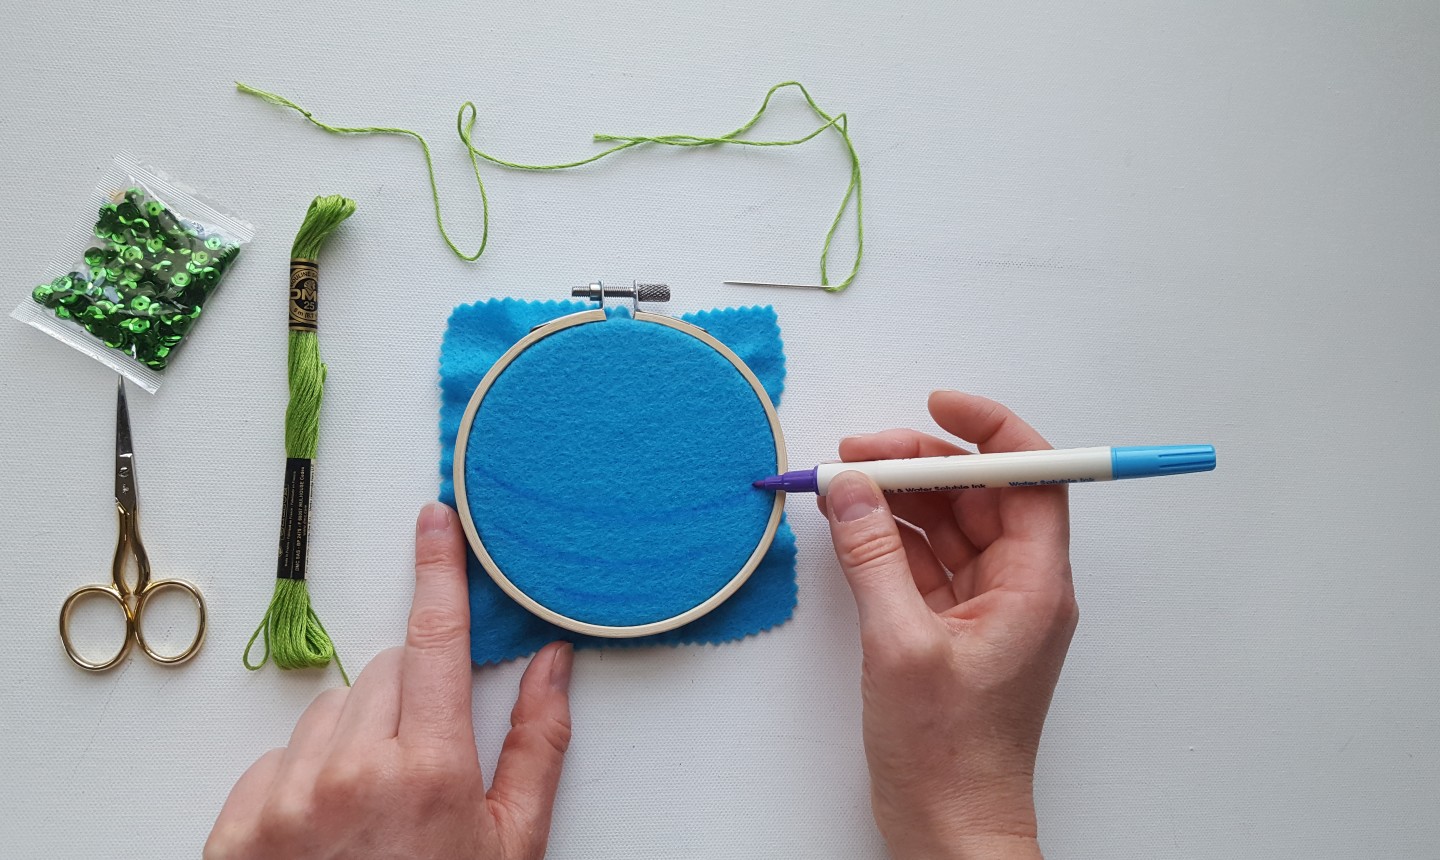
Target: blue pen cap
[1146, 461]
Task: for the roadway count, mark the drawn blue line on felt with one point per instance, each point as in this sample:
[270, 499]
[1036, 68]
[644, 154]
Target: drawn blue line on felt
[560, 506]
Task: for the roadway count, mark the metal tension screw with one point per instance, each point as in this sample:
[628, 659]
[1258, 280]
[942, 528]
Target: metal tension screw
[636, 292]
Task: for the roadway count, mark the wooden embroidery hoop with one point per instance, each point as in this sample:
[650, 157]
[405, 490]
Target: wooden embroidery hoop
[472, 533]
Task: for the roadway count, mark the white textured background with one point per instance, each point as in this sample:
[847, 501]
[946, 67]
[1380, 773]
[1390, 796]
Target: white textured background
[1134, 223]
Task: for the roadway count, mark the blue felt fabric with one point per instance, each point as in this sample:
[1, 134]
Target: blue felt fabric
[649, 523]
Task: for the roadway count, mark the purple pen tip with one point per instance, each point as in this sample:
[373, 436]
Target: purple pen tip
[791, 482]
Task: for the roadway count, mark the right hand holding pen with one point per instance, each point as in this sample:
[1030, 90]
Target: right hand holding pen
[966, 612]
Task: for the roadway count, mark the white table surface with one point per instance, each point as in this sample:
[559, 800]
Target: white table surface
[1138, 223]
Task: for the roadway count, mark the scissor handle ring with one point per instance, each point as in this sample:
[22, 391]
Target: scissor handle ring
[70, 651]
[154, 587]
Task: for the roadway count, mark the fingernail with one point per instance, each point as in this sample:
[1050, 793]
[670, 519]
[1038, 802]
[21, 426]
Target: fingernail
[434, 517]
[561, 666]
[852, 496]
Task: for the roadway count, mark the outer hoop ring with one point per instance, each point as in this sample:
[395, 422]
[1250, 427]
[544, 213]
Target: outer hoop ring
[534, 607]
[477, 544]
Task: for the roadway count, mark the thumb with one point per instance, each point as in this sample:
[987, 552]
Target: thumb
[868, 545]
[528, 773]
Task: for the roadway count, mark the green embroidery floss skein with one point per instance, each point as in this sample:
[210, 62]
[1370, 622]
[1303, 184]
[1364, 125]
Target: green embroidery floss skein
[290, 629]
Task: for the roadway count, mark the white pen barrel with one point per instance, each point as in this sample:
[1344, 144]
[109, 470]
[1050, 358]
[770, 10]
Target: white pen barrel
[978, 471]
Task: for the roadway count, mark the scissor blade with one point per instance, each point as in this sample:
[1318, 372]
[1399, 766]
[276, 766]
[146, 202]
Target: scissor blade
[124, 452]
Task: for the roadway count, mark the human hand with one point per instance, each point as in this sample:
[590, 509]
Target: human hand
[388, 768]
[966, 612]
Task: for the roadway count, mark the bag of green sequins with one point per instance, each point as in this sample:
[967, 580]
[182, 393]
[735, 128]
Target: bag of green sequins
[136, 282]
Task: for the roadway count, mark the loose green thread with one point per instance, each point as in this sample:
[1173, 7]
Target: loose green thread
[291, 631]
[465, 124]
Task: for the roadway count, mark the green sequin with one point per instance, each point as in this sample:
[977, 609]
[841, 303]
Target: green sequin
[157, 358]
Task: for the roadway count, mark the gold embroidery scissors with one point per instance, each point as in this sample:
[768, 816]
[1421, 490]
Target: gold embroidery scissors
[132, 601]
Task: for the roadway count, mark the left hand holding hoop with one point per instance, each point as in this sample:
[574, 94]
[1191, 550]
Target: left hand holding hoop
[388, 768]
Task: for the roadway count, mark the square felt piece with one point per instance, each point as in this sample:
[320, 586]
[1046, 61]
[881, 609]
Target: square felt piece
[580, 487]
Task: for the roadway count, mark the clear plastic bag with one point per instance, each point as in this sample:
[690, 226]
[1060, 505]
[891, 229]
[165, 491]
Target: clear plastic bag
[139, 272]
